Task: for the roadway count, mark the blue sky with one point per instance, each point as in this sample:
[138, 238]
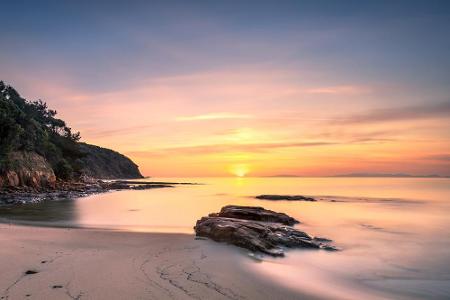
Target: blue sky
[405, 41]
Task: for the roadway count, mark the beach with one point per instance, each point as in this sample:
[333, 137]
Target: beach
[100, 264]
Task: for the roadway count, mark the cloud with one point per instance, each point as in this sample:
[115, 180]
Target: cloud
[249, 147]
[95, 133]
[439, 157]
[214, 116]
[339, 90]
[221, 148]
[427, 111]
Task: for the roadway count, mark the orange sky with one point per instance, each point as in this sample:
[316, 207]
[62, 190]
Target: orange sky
[252, 89]
[258, 122]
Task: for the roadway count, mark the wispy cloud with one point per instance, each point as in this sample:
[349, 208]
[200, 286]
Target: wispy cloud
[339, 90]
[426, 111]
[95, 133]
[439, 157]
[250, 147]
[223, 148]
[213, 116]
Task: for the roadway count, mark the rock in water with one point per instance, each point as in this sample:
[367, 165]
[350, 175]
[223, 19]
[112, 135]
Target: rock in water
[254, 213]
[285, 197]
[269, 237]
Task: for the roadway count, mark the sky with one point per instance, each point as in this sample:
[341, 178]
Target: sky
[234, 88]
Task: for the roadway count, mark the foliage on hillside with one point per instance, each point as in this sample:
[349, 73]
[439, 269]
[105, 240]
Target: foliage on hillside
[31, 126]
[97, 163]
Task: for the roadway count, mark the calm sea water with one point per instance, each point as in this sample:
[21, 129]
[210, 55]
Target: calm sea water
[394, 232]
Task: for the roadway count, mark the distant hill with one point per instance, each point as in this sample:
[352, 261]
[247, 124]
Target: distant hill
[388, 175]
[284, 175]
[36, 148]
[394, 175]
[99, 162]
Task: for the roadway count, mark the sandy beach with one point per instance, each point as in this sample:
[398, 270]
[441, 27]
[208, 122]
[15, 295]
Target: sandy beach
[96, 264]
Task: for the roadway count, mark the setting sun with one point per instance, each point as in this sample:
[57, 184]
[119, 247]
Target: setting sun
[239, 170]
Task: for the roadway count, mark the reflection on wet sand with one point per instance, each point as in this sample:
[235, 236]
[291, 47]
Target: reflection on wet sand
[60, 212]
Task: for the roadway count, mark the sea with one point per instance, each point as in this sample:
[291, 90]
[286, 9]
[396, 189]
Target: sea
[393, 233]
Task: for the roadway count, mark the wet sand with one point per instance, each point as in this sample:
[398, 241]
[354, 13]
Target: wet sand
[96, 264]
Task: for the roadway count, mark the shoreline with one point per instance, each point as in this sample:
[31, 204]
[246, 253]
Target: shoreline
[79, 263]
[77, 189]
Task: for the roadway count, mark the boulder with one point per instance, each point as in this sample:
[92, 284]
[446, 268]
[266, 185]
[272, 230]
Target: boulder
[254, 213]
[285, 197]
[242, 230]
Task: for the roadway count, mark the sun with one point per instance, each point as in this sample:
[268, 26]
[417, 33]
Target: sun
[239, 170]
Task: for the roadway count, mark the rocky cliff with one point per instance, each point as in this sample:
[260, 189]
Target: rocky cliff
[31, 170]
[104, 163]
[39, 150]
[28, 169]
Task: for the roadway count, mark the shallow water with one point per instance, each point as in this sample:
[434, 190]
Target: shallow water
[394, 232]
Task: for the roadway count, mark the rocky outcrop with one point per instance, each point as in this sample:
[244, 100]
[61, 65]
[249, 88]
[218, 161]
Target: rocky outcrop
[27, 169]
[254, 213]
[285, 197]
[104, 163]
[261, 236]
[71, 189]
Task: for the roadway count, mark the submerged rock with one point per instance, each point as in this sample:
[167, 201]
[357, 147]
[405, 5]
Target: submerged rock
[285, 197]
[254, 213]
[269, 237]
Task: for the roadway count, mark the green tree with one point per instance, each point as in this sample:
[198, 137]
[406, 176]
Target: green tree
[32, 126]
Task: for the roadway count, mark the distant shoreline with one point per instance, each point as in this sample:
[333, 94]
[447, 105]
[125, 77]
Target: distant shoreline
[361, 176]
